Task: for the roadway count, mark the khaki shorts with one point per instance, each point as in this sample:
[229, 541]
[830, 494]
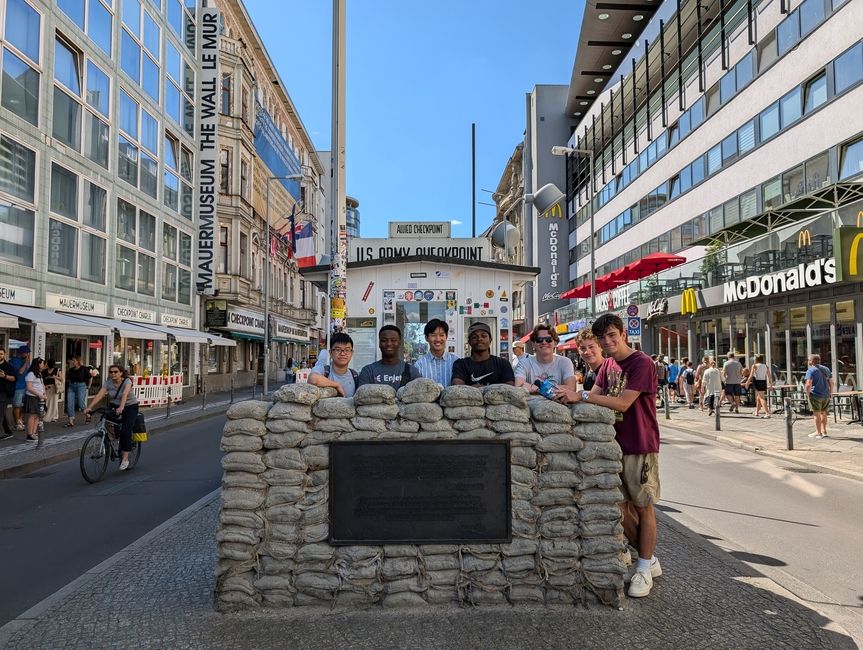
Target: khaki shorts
[819, 404]
[640, 483]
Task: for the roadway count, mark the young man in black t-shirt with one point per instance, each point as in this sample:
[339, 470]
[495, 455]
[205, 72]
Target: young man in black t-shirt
[481, 368]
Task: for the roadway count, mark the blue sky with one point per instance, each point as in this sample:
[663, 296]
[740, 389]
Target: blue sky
[418, 74]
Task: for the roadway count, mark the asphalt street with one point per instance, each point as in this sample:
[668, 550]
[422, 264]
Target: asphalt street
[794, 525]
[54, 526]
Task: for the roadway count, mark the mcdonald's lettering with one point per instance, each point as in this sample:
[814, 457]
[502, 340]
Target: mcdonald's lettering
[688, 302]
[848, 247]
[803, 276]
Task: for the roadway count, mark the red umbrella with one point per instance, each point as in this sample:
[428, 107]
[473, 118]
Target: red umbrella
[654, 263]
[581, 291]
[569, 345]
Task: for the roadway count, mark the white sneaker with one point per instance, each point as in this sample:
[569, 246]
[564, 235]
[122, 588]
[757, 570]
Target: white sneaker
[814, 434]
[124, 465]
[641, 585]
[655, 568]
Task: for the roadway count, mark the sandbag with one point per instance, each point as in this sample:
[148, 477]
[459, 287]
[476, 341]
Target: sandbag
[419, 390]
[254, 409]
[335, 407]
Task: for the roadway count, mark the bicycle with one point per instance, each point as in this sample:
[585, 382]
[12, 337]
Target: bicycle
[102, 446]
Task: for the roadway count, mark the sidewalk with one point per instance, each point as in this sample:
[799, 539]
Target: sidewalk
[18, 456]
[840, 453]
[157, 593]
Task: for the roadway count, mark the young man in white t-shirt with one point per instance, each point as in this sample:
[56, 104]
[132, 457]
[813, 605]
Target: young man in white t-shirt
[544, 364]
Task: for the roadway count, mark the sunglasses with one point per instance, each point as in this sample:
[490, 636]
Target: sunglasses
[544, 339]
[113, 372]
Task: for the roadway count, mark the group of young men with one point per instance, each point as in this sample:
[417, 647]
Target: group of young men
[624, 380]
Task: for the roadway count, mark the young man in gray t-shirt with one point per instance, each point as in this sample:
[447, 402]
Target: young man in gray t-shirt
[390, 369]
[732, 375]
[336, 374]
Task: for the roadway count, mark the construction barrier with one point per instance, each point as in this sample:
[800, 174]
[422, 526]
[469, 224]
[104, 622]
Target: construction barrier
[303, 376]
[154, 390]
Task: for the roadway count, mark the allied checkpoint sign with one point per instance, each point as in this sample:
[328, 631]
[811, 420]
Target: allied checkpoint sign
[420, 492]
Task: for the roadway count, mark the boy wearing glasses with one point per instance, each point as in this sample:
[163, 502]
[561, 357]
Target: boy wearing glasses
[544, 364]
[337, 374]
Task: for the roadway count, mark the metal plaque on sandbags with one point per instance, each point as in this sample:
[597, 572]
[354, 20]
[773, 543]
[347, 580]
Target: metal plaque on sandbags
[420, 492]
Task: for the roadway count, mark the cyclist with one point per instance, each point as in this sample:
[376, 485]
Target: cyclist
[124, 404]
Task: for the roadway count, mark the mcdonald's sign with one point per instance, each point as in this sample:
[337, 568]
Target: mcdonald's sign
[804, 238]
[688, 302]
[848, 250]
[554, 212]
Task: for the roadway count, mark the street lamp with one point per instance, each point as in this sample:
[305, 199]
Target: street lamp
[290, 177]
[563, 151]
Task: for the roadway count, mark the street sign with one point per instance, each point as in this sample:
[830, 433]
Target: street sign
[633, 329]
[632, 310]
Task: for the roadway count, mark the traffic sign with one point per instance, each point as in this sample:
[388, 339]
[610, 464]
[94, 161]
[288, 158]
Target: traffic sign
[632, 310]
[633, 329]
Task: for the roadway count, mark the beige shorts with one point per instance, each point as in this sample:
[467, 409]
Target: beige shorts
[640, 478]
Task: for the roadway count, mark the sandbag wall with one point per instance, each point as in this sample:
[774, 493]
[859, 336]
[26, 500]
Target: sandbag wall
[567, 544]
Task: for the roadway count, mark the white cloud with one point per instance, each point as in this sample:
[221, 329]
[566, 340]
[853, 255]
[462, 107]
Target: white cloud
[455, 222]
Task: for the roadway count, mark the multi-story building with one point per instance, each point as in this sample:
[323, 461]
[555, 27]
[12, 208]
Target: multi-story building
[727, 134]
[352, 216]
[268, 171]
[97, 148]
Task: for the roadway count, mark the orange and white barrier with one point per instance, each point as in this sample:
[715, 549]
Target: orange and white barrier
[303, 376]
[154, 390]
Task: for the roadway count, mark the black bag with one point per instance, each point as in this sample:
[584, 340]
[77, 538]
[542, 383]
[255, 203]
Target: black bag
[139, 425]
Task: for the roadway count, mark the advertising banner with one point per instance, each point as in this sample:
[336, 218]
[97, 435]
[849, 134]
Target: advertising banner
[553, 258]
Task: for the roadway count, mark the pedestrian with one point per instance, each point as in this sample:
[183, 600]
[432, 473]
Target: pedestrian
[762, 379]
[289, 370]
[673, 372]
[661, 376]
[123, 407]
[819, 385]
[21, 364]
[732, 374]
[78, 379]
[699, 377]
[53, 380]
[591, 353]
[34, 400]
[481, 368]
[7, 393]
[518, 353]
[390, 370]
[437, 363]
[711, 385]
[626, 383]
[687, 380]
[681, 392]
[337, 374]
[545, 364]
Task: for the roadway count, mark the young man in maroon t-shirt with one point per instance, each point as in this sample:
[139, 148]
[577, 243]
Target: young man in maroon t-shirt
[626, 383]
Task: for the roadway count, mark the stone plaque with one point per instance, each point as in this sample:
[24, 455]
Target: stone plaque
[420, 492]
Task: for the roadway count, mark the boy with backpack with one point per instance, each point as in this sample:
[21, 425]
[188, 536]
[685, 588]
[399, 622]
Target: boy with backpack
[337, 374]
[688, 383]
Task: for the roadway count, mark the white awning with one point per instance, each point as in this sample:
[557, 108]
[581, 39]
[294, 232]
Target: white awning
[8, 322]
[52, 322]
[182, 335]
[566, 337]
[221, 340]
[126, 330]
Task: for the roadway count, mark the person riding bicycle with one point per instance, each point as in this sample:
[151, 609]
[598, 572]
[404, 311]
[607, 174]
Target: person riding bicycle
[124, 405]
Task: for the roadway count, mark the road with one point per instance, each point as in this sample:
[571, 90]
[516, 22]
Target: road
[798, 527]
[54, 526]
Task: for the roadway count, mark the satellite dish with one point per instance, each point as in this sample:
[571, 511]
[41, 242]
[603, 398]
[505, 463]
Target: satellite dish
[505, 236]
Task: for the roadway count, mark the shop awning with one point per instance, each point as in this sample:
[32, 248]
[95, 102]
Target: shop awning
[182, 335]
[569, 345]
[563, 338]
[52, 322]
[221, 340]
[248, 337]
[124, 329]
[8, 322]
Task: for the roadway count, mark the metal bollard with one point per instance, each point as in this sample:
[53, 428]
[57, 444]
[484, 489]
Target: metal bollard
[789, 426]
[40, 428]
[716, 411]
[204, 399]
[665, 401]
[168, 407]
[232, 389]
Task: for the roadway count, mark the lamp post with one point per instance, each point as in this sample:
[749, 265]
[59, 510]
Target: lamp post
[290, 177]
[563, 151]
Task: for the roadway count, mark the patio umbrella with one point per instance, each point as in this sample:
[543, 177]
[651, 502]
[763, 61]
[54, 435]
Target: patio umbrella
[654, 263]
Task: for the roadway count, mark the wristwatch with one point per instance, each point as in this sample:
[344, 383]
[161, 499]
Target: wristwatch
[585, 395]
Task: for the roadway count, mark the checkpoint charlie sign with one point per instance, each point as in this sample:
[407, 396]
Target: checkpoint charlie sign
[477, 249]
[421, 229]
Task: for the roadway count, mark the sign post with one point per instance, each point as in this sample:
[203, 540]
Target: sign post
[633, 329]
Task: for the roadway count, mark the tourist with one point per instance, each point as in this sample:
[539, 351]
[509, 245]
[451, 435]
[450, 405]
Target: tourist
[518, 353]
[762, 379]
[699, 377]
[545, 364]
[732, 375]
[481, 368]
[687, 381]
[591, 353]
[7, 393]
[390, 370]
[819, 385]
[78, 381]
[437, 362]
[337, 374]
[21, 365]
[711, 385]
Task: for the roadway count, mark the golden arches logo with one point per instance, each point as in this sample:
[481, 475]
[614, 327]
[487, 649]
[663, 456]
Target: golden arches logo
[554, 212]
[852, 255]
[688, 302]
[804, 238]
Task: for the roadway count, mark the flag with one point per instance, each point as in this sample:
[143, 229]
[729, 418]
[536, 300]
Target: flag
[304, 245]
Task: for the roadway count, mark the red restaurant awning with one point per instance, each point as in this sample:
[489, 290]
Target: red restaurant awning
[653, 263]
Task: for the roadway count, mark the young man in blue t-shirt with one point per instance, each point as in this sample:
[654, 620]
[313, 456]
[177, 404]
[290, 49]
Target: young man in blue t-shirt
[819, 385]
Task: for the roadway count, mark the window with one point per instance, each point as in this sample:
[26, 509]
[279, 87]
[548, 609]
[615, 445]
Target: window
[815, 93]
[675, 187]
[98, 89]
[146, 275]
[100, 26]
[729, 148]
[175, 16]
[746, 137]
[767, 51]
[714, 160]
[848, 69]
[172, 101]
[184, 288]
[93, 260]
[185, 249]
[851, 159]
[244, 105]
[169, 242]
[20, 88]
[817, 172]
[128, 115]
[130, 56]
[147, 231]
[744, 70]
[768, 121]
[169, 282]
[74, 9]
[17, 170]
[226, 94]
[124, 278]
[150, 80]
[96, 140]
[17, 224]
[788, 33]
[790, 107]
[223, 250]
[172, 61]
[244, 179]
[771, 193]
[62, 248]
[149, 175]
[64, 192]
[152, 35]
[727, 87]
[224, 172]
[731, 210]
[748, 205]
[149, 132]
[125, 221]
[127, 161]
[697, 170]
[793, 183]
[811, 15]
[132, 16]
[26, 35]
[95, 207]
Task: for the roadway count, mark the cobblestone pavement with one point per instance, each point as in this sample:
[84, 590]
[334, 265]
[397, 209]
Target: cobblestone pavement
[840, 453]
[157, 593]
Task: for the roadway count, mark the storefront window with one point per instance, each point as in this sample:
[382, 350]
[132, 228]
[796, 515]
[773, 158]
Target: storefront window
[705, 345]
[778, 361]
[846, 344]
[738, 341]
[821, 333]
[723, 336]
[213, 359]
[797, 331]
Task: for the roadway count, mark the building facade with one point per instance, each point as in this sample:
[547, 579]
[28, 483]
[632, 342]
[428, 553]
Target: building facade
[352, 216]
[97, 151]
[726, 134]
[270, 172]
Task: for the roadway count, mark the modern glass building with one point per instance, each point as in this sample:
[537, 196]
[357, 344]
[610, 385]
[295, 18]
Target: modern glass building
[352, 216]
[727, 134]
[97, 152]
